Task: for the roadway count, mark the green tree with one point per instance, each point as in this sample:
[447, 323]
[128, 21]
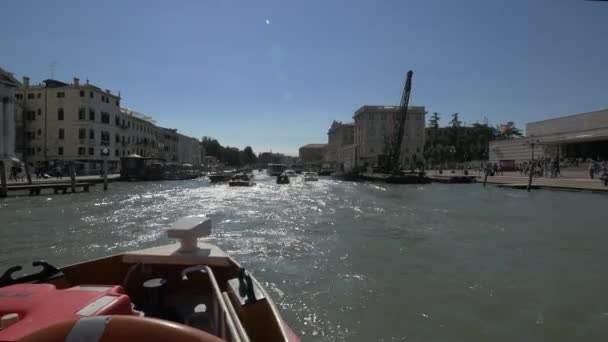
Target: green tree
[509, 131]
[231, 156]
[455, 122]
[212, 147]
[434, 121]
[247, 156]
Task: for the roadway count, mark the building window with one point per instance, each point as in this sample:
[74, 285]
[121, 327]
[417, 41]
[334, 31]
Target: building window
[60, 151]
[81, 113]
[91, 114]
[60, 94]
[61, 134]
[81, 151]
[105, 138]
[91, 151]
[117, 102]
[39, 149]
[31, 96]
[39, 132]
[39, 94]
[19, 96]
[82, 133]
[60, 114]
[117, 121]
[39, 112]
[105, 117]
[91, 94]
[116, 153]
[82, 93]
[117, 138]
[91, 134]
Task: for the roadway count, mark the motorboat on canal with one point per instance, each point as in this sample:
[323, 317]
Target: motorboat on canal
[310, 176]
[282, 179]
[242, 179]
[191, 291]
[290, 173]
[220, 176]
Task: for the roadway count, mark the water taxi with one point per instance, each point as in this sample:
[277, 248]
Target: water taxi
[241, 179]
[310, 176]
[290, 173]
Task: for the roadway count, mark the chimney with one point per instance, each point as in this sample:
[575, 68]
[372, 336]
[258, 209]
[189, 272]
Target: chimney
[76, 81]
[26, 82]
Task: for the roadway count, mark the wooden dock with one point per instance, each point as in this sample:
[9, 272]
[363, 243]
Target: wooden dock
[36, 189]
[561, 184]
[452, 179]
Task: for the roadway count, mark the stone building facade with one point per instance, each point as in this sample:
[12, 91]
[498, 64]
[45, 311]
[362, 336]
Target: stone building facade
[81, 123]
[10, 113]
[339, 135]
[312, 153]
[189, 150]
[375, 127]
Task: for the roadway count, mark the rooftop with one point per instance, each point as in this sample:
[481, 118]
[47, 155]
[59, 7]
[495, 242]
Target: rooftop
[138, 115]
[314, 146]
[379, 108]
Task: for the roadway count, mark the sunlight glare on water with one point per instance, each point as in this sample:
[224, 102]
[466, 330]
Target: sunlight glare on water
[361, 261]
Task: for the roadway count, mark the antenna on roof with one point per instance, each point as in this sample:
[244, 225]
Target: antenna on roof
[52, 69]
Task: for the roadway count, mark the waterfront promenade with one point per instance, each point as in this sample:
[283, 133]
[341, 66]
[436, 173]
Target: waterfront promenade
[92, 179]
[572, 180]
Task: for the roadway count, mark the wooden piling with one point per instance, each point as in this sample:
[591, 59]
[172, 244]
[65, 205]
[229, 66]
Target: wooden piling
[28, 176]
[485, 178]
[105, 174]
[3, 186]
[532, 168]
[72, 169]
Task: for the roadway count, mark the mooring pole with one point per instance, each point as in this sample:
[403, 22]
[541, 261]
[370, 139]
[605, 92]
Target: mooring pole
[4, 187]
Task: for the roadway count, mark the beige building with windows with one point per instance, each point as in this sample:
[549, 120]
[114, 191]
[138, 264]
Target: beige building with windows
[339, 135]
[70, 122]
[84, 124]
[375, 127]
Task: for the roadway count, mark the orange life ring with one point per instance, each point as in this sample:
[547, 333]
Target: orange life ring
[119, 328]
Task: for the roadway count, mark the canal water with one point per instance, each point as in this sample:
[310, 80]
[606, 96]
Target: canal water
[362, 261]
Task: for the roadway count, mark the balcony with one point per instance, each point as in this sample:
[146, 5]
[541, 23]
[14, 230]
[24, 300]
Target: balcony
[105, 143]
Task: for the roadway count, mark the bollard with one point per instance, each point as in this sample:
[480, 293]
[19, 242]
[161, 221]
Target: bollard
[4, 187]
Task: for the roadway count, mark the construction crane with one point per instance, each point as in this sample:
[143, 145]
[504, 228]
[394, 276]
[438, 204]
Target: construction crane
[393, 162]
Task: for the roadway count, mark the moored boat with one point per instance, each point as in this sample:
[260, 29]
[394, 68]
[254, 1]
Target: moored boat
[290, 173]
[191, 291]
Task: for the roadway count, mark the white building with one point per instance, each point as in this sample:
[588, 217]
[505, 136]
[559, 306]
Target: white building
[375, 128]
[188, 150]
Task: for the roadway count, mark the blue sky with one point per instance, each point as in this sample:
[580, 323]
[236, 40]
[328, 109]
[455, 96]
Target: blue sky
[219, 68]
